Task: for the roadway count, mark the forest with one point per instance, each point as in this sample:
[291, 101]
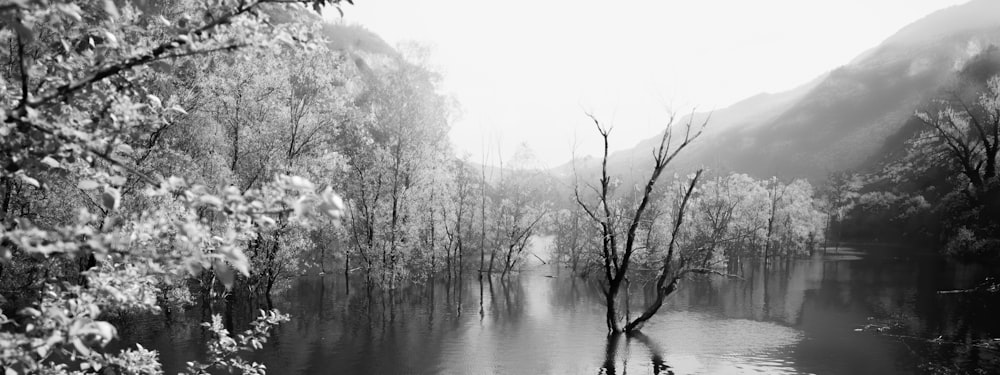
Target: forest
[159, 155]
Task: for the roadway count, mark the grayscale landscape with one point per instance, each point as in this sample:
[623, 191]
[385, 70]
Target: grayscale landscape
[464, 187]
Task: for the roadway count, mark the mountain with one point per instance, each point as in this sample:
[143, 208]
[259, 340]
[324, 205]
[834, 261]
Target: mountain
[847, 119]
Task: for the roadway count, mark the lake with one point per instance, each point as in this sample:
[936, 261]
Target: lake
[801, 316]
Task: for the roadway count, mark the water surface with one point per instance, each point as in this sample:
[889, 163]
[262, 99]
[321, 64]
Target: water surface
[799, 316]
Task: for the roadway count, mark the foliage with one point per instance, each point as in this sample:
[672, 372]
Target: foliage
[92, 92]
[394, 146]
[966, 244]
[738, 216]
[959, 143]
[224, 349]
[574, 238]
[518, 209]
[966, 137]
[458, 215]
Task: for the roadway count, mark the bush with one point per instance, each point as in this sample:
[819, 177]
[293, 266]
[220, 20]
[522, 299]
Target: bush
[966, 244]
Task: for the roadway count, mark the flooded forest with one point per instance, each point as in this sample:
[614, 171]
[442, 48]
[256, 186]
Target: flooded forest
[263, 186]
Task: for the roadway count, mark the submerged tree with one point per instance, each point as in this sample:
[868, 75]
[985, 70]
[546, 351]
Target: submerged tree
[395, 148]
[619, 225]
[572, 232]
[737, 216]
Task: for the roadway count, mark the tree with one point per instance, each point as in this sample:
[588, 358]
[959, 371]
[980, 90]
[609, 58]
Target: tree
[617, 255]
[456, 211]
[841, 194]
[519, 214]
[276, 112]
[965, 137]
[393, 142]
[675, 268]
[572, 232]
[961, 136]
[85, 117]
[737, 216]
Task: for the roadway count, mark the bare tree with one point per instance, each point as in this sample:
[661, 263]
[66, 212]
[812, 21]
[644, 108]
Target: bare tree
[617, 257]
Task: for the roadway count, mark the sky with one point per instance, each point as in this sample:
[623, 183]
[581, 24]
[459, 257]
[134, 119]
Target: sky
[525, 74]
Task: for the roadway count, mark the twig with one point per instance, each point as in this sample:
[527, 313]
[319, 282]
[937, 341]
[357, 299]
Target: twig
[707, 271]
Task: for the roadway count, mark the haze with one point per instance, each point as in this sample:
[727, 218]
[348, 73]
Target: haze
[527, 72]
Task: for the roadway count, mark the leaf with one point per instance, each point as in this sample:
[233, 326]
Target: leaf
[49, 161]
[194, 267]
[124, 148]
[225, 274]
[88, 185]
[29, 180]
[111, 198]
[71, 10]
[178, 109]
[211, 200]
[154, 100]
[31, 312]
[236, 257]
[42, 351]
[299, 183]
[300, 206]
[80, 347]
[105, 330]
[111, 8]
[331, 204]
[266, 221]
[110, 38]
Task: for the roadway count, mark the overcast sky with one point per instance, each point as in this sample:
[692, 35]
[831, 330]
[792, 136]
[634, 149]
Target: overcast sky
[525, 72]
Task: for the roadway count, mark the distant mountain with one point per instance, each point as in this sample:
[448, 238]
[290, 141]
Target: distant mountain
[353, 37]
[849, 118]
[973, 16]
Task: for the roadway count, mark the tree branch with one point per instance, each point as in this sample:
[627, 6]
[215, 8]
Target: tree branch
[23, 65]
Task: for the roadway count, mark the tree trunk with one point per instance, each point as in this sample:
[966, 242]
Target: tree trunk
[661, 294]
[615, 267]
[612, 310]
[664, 289]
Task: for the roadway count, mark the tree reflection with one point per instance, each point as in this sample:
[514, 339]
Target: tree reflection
[611, 350]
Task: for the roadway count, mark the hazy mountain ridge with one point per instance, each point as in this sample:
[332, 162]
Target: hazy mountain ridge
[847, 119]
[974, 15]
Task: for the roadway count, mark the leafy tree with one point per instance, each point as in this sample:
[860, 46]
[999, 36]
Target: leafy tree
[457, 214]
[962, 137]
[518, 216]
[841, 194]
[966, 136]
[573, 238]
[88, 95]
[393, 141]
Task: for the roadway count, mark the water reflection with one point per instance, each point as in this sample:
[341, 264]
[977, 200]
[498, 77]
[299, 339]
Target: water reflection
[659, 366]
[794, 317]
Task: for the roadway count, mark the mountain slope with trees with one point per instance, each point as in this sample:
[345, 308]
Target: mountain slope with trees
[847, 119]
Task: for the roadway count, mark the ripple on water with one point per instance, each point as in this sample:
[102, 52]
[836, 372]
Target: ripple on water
[695, 342]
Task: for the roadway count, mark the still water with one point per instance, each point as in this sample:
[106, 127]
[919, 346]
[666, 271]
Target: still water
[800, 316]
